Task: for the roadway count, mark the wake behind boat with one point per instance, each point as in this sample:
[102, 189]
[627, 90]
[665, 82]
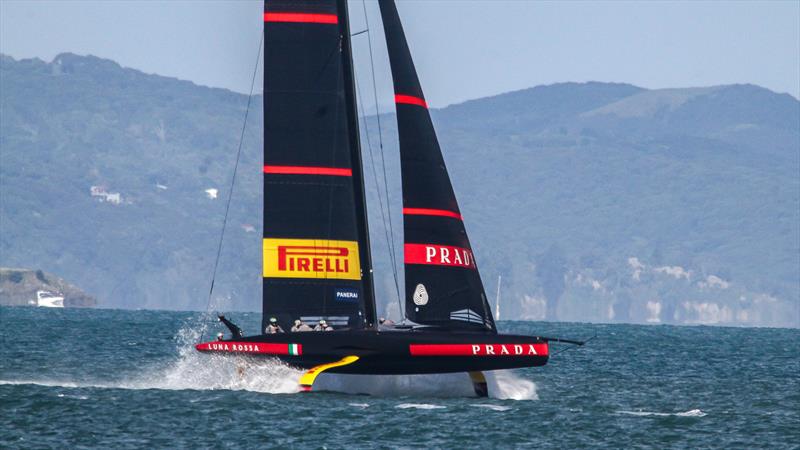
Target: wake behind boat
[316, 252]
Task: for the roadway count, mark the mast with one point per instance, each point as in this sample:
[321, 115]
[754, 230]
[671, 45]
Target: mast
[358, 172]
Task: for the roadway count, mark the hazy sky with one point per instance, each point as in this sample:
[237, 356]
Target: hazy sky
[463, 49]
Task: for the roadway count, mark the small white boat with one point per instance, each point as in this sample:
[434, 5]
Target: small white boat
[48, 299]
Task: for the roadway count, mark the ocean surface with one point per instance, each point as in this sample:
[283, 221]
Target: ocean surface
[132, 379]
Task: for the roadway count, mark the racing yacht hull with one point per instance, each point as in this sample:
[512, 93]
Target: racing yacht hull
[391, 352]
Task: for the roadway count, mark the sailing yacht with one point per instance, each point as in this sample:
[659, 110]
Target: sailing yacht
[316, 252]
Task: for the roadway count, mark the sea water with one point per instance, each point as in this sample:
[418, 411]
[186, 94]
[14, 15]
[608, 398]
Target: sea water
[132, 379]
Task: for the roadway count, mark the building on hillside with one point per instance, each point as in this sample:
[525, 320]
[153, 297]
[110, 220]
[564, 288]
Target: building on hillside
[102, 195]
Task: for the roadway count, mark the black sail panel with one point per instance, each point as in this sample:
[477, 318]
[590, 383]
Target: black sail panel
[315, 249]
[443, 285]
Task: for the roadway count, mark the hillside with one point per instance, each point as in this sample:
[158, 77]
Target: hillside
[595, 201]
[18, 287]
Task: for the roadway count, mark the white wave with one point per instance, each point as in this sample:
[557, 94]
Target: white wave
[195, 371]
[203, 372]
[507, 385]
[492, 407]
[690, 413]
[78, 397]
[359, 405]
[419, 406]
[68, 384]
[47, 383]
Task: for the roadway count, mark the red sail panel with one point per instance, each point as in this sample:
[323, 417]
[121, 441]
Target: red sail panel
[300, 17]
[439, 255]
[443, 286]
[431, 212]
[410, 100]
[305, 170]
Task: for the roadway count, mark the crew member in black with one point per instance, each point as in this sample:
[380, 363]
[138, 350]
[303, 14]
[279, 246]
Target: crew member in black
[236, 332]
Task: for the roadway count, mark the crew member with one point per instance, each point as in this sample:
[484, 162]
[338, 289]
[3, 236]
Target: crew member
[323, 326]
[300, 326]
[386, 322]
[220, 336]
[236, 332]
[273, 326]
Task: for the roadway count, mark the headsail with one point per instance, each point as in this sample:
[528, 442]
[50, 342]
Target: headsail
[316, 260]
[443, 286]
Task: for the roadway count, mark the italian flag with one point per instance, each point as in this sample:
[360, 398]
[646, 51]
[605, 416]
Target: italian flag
[295, 349]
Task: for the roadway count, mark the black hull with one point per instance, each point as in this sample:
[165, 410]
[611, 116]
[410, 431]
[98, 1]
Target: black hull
[392, 352]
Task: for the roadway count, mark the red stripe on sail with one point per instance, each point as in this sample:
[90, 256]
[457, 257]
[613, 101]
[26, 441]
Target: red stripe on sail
[513, 349]
[306, 170]
[300, 17]
[410, 100]
[431, 212]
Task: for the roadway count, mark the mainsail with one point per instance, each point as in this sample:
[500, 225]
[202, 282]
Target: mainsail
[316, 260]
[443, 286]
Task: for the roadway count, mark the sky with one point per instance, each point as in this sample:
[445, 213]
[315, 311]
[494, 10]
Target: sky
[463, 49]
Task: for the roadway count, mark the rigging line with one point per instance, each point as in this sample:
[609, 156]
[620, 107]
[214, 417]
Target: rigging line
[377, 187]
[233, 178]
[383, 160]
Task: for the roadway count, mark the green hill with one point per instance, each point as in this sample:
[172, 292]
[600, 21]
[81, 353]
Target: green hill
[595, 201]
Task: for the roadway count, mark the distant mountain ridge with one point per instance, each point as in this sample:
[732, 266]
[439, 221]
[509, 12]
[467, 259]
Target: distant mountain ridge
[594, 201]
